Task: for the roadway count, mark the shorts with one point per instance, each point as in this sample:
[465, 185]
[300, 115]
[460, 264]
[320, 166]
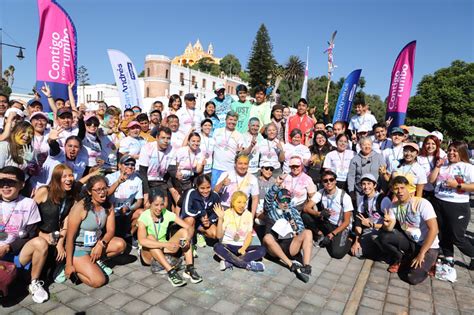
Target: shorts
[284, 243]
[16, 260]
[80, 251]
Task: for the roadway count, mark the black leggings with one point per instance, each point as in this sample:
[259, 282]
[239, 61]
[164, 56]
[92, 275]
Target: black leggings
[453, 219]
[231, 254]
[340, 244]
[397, 244]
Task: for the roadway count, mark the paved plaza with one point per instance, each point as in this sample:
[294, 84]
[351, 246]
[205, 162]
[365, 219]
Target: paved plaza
[349, 286]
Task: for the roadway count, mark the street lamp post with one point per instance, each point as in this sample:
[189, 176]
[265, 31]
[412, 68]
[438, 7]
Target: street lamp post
[20, 55]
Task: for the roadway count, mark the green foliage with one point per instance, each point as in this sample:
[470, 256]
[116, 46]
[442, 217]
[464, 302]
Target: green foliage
[261, 61]
[444, 101]
[244, 76]
[230, 65]
[206, 64]
[142, 74]
[82, 75]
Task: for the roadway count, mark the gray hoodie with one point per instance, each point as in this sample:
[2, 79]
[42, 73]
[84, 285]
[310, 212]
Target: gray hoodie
[361, 165]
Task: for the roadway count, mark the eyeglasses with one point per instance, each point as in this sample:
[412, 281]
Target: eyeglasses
[129, 164]
[100, 190]
[7, 182]
[285, 200]
[268, 168]
[294, 166]
[329, 180]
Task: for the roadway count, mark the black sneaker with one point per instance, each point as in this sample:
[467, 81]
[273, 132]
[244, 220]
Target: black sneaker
[191, 274]
[297, 269]
[175, 279]
[306, 269]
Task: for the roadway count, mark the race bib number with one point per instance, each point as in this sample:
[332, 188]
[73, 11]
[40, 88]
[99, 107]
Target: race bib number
[91, 237]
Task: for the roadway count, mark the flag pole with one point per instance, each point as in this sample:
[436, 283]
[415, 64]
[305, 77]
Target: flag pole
[331, 65]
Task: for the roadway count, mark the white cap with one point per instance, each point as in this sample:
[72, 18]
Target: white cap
[92, 106]
[363, 128]
[219, 86]
[437, 134]
[19, 112]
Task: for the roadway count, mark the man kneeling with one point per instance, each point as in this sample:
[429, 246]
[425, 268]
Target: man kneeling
[285, 234]
[410, 233]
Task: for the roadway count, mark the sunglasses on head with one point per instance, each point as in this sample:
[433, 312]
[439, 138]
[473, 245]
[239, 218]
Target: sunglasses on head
[329, 180]
[7, 182]
[285, 200]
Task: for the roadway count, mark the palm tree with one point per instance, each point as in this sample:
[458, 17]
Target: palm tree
[294, 72]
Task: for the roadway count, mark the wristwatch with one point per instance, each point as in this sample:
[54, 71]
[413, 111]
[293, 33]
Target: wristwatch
[104, 243]
[459, 186]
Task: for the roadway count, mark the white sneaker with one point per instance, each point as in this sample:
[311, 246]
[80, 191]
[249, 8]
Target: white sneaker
[38, 294]
[108, 271]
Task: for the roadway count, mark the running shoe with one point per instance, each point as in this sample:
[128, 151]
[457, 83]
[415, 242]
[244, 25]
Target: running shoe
[175, 279]
[38, 294]
[296, 269]
[256, 266]
[59, 274]
[108, 271]
[191, 274]
[306, 269]
[224, 264]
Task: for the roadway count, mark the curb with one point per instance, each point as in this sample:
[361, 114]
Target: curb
[356, 295]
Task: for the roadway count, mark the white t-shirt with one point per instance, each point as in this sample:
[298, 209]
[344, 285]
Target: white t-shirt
[393, 156]
[299, 187]
[131, 145]
[187, 161]
[226, 144]
[16, 215]
[412, 218]
[247, 184]
[126, 192]
[427, 164]
[66, 133]
[41, 147]
[156, 160]
[339, 163]
[207, 149]
[110, 145]
[254, 153]
[379, 146]
[415, 169]
[177, 139]
[294, 150]
[189, 118]
[333, 204]
[269, 152]
[367, 120]
[93, 149]
[463, 173]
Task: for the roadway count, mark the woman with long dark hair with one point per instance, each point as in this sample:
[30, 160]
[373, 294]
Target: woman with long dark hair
[86, 242]
[319, 149]
[430, 154]
[453, 180]
[174, 104]
[339, 160]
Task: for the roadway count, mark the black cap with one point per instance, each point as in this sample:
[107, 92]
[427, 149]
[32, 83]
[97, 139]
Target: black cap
[64, 110]
[189, 97]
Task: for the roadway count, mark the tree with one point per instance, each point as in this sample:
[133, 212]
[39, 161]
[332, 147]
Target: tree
[444, 101]
[294, 72]
[83, 78]
[230, 65]
[261, 61]
[142, 74]
[206, 64]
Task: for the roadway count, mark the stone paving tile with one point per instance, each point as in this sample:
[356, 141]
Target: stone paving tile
[22, 311]
[277, 309]
[135, 307]
[153, 297]
[102, 293]
[118, 300]
[44, 307]
[226, 307]
[155, 310]
[171, 304]
[62, 310]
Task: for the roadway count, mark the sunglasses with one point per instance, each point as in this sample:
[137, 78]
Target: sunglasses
[268, 168]
[285, 200]
[92, 124]
[100, 190]
[329, 180]
[129, 164]
[294, 166]
[6, 182]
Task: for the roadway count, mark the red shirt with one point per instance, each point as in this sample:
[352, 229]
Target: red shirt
[303, 123]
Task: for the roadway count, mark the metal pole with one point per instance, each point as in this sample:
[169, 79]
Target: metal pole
[1, 54]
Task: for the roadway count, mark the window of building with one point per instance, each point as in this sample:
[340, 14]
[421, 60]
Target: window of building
[147, 72]
[180, 93]
[166, 74]
[147, 92]
[181, 77]
[213, 86]
[203, 83]
[88, 97]
[193, 80]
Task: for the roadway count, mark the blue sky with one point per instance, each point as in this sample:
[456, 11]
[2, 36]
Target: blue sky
[370, 33]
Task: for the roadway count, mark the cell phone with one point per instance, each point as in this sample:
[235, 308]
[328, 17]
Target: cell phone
[74, 278]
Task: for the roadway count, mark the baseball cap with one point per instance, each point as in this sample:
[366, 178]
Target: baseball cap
[189, 97]
[266, 164]
[437, 134]
[363, 128]
[34, 102]
[219, 86]
[132, 124]
[369, 177]
[277, 107]
[19, 112]
[37, 115]
[127, 158]
[397, 130]
[295, 161]
[405, 128]
[283, 194]
[329, 126]
[64, 110]
[412, 145]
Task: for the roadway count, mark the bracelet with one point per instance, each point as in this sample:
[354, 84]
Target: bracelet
[49, 97]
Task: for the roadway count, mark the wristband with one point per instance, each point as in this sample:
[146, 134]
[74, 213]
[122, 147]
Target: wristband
[103, 243]
[49, 97]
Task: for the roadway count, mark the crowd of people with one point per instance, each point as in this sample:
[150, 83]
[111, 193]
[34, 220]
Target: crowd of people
[252, 179]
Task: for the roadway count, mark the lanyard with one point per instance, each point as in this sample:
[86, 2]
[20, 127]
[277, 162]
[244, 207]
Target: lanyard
[160, 160]
[193, 160]
[402, 212]
[97, 219]
[227, 139]
[341, 159]
[237, 181]
[157, 232]
[191, 116]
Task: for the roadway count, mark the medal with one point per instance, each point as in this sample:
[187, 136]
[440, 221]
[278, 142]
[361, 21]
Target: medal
[192, 124]
[207, 155]
[236, 237]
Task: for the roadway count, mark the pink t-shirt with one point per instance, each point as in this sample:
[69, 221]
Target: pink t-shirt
[186, 161]
[156, 160]
[16, 215]
[299, 187]
[247, 184]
